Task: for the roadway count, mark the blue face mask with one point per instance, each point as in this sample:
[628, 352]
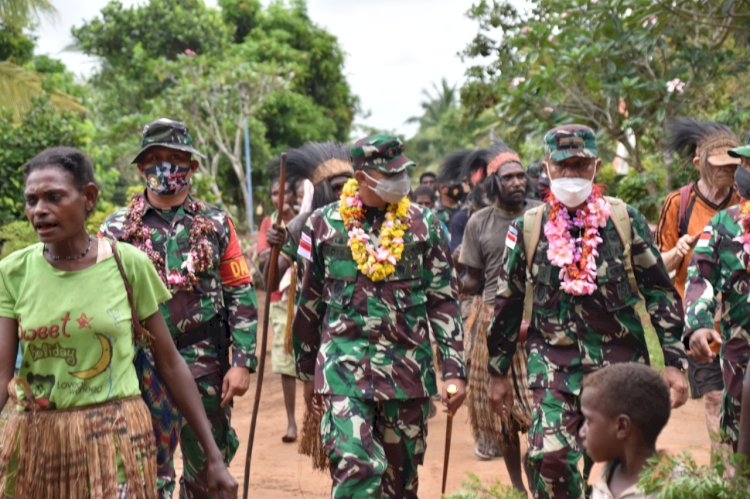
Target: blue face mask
[166, 178]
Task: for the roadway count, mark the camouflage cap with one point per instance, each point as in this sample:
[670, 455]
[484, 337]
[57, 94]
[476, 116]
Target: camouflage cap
[382, 152]
[167, 133]
[740, 151]
[569, 141]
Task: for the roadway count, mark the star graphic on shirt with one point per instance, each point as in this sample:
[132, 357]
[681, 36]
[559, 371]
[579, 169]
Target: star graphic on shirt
[84, 321]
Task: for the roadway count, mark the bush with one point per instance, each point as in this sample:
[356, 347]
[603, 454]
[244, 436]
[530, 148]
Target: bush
[473, 488]
[677, 477]
[15, 236]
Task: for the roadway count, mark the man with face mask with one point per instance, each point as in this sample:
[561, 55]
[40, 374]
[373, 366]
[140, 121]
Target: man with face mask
[718, 279]
[684, 215]
[481, 255]
[195, 249]
[582, 314]
[378, 279]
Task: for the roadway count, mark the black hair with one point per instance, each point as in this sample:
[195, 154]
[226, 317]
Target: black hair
[70, 159]
[634, 390]
[425, 190]
[427, 174]
[684, 134]
[476, 160]
[451, 172]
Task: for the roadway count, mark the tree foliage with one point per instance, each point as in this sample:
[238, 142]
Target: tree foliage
[42, 126]
[215, 70]
[616, 66]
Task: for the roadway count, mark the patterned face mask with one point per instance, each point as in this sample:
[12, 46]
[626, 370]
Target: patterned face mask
[166, 178]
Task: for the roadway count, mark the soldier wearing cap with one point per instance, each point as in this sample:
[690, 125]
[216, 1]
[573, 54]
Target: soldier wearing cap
[718, 279]
[378, 279]
[195, 250]
[582, 308]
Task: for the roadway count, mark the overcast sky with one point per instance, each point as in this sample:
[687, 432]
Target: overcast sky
[394, 48]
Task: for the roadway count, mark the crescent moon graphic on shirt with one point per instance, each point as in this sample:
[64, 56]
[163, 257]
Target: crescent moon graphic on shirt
[102, 364]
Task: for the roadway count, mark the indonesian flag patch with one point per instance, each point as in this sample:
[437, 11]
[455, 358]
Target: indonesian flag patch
[305, 247]
[511, 237]
[704, 238]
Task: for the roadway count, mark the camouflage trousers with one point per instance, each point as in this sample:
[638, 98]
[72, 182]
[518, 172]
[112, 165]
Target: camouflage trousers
[374, 447]
[555, 447]
[169, 427]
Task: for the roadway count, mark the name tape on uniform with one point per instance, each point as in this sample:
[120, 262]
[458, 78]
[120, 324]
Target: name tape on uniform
[511, 237]
[305, 247]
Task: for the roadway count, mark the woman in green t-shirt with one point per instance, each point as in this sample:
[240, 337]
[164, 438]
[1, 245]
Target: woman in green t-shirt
[80, 428]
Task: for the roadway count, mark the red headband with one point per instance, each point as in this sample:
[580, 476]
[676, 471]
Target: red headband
[501, 159]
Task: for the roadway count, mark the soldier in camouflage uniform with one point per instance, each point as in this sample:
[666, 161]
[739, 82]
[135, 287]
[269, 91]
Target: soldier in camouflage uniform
[577, 325]
[195, 249]
[362, 335]
[719, 267]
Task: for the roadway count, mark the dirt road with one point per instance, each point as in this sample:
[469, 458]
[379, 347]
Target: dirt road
[279, 472]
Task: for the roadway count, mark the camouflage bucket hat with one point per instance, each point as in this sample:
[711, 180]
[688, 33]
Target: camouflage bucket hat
[382, 152]
[167, 133]
[569, 141]
[740, 151]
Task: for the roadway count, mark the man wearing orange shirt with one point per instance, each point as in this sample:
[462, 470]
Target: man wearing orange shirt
[685, 213]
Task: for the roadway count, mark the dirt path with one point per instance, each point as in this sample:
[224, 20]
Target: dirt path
[279, 472]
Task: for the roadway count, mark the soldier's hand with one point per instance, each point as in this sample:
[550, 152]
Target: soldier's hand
[276, 235]
[678, 387]
[236, 382]
[453, 402]
[705, 344]
[220, 482]
[500, 393]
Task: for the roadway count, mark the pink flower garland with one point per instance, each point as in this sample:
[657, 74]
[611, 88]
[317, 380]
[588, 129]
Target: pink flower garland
[744, 220]
[576, 257]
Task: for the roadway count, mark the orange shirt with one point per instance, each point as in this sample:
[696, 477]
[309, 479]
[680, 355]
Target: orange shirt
[699, 212]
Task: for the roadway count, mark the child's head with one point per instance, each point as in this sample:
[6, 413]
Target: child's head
[622, 404]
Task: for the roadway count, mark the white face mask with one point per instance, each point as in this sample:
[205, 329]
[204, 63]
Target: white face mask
[392, 189]
[572, 192]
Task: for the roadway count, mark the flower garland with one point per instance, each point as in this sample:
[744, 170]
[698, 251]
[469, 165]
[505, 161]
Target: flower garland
[199, 258]
[376, 264]
[576, 257]
[744, 221]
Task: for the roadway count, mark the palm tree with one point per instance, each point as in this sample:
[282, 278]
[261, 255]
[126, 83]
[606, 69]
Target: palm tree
[21, 13]
[19, 86]
[436, 105]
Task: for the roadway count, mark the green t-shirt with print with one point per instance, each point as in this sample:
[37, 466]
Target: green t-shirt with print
[75, 328]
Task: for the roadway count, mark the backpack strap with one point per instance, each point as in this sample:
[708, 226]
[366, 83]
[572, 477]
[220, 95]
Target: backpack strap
[682, 221]
[532, 231]
[621, 220]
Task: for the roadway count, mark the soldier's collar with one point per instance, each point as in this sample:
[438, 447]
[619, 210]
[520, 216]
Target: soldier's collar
[190, 205]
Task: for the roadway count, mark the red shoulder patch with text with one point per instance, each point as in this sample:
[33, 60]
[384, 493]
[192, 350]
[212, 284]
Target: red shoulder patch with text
[233, 268]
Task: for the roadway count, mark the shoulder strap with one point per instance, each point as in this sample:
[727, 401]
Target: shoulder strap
[532, 230]
[624, 228]
[139, 332]
[682, 221]
[621, 221]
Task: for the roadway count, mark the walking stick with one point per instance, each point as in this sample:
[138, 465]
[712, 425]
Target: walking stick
[452, 389]
[270, 279]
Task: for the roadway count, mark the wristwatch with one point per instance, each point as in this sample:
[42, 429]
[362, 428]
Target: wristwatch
[681, 364]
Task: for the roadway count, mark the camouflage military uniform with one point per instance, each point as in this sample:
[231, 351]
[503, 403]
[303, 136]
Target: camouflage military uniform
[223, 289]
[719, 266]
[570, 336]
[445, 213]
[367, 347]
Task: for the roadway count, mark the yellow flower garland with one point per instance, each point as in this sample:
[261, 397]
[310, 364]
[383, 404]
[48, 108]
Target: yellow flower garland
[376, 264]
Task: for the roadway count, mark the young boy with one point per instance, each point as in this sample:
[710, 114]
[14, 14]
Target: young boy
[625, 407]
